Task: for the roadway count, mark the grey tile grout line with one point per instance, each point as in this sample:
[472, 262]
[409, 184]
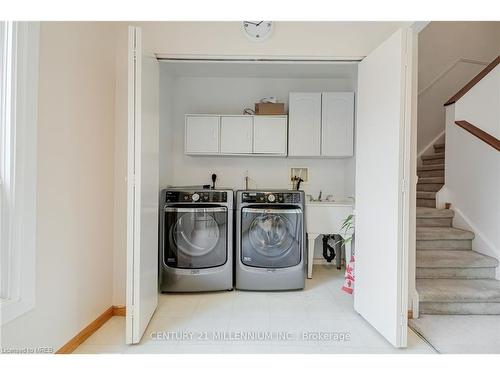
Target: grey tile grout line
[424, 339]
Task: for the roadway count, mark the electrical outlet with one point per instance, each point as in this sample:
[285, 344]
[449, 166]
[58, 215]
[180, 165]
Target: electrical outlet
[303, 173]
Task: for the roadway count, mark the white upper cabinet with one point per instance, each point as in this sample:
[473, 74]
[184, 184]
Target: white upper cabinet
[202, 134]
[321, 124]
[337, 120]
[236, 134]
[270, 135]
[304, 124]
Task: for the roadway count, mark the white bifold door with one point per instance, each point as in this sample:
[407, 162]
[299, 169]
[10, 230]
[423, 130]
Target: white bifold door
[142, 187]
[382, 197]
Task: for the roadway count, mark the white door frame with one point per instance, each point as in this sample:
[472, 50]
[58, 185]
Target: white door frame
[392, 319]
[142, 188]
[408, 139]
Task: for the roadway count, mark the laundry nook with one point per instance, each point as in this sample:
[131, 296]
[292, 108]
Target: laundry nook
[254, 165]
[263, 187]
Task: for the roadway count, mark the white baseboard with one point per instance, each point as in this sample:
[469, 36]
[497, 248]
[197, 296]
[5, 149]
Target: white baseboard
[415, 304]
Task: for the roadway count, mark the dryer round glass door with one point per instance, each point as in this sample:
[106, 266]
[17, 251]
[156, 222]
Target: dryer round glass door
[271, 238]
[196, 237]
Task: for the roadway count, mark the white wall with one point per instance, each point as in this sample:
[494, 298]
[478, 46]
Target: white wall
[481, 104]
[472, 175]
[441, 45]
[230, 96]
[308, 39]
[181, 95]
[75, 185]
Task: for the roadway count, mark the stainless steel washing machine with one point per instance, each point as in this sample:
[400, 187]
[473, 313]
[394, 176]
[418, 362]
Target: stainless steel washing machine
[270, 240]
[196, 240]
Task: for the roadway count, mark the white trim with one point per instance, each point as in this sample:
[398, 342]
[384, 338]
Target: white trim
[415, 305]
[129, 327]
[259, 58]
[418, 26]
[405, 197]
[22, 216]
[412, 186]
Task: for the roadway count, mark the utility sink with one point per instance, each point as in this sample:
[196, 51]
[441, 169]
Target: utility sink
[325, 217]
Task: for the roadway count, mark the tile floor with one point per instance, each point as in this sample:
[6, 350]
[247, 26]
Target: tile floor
[473, 334]
[215, 320]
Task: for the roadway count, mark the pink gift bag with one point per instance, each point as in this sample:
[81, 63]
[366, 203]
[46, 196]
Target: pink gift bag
[348, 286]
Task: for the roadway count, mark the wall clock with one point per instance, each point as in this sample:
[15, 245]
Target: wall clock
[257, 30]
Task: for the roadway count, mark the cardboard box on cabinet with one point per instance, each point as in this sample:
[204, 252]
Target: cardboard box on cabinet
[270, 109]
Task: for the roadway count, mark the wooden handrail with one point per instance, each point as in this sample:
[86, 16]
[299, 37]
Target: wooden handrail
[481, 134]
[473, 81]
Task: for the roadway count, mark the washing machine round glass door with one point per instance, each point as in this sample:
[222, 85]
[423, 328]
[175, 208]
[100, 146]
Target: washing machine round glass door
[195, 237]
[271, 238]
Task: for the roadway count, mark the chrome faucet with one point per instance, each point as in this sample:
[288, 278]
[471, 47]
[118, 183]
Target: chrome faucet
[329, 198]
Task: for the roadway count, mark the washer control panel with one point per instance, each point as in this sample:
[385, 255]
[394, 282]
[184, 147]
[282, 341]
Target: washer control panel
[196, 196]
[272, 198]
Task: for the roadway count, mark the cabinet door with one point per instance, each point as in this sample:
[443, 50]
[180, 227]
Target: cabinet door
[304, 124]
[202, 134]
[236, 134]
[337, 123]
[270, 135]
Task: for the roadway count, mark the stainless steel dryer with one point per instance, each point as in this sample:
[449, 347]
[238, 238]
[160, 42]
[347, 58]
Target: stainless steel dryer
[196, 240]
[270, 235]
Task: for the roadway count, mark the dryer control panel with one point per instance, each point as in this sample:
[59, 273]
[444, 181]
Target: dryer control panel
[270, 198]
[201, 196]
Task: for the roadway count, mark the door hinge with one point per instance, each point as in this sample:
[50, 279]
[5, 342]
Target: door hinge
[403, 185]
[130, 310]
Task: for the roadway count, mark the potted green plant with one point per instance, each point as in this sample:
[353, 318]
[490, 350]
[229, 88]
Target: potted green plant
[348, 229]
